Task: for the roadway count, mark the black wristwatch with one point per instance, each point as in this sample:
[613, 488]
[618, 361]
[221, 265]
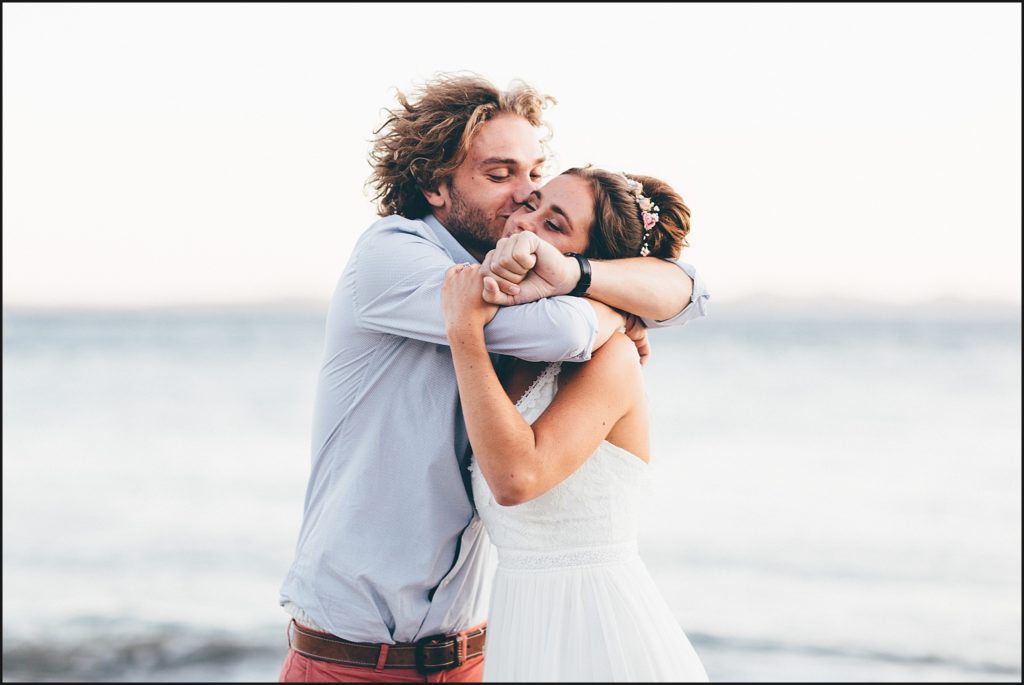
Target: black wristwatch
[584, 283]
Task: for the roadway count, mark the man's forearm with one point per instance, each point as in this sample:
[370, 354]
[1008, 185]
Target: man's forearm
[648, 287]
[552, 329]
[652, 289]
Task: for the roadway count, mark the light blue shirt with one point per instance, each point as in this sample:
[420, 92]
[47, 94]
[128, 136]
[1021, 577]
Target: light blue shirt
[390, 548]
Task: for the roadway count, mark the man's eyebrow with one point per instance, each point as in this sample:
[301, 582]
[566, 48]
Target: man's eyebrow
[507, 161]
[557, 210]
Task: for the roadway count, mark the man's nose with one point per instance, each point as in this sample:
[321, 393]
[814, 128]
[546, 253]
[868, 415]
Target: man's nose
[524, 186]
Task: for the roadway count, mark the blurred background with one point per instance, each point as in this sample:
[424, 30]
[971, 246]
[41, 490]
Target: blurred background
[838, 442]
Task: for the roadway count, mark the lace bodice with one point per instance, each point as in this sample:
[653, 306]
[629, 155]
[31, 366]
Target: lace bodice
[590, 517]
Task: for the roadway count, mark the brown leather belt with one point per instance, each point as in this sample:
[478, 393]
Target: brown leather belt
[434, 653]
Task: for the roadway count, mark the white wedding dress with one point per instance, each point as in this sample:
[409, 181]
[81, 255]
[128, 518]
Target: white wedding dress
[572, 601]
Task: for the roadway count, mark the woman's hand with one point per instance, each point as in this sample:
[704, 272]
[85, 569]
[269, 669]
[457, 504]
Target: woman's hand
[462, 299]
[637, 332]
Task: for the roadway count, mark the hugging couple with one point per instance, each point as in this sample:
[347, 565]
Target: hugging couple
[481, 382]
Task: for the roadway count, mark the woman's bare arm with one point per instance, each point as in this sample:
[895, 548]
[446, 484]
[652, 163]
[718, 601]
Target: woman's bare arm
[518, 460]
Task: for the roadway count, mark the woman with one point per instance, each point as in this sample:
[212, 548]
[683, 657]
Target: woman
[556, 478]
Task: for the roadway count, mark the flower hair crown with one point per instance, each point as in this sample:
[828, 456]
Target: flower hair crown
[648, 211]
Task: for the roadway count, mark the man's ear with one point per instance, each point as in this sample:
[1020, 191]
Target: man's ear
[438, 198]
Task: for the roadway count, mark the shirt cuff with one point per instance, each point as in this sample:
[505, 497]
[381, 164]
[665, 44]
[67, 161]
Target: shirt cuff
[697, 307]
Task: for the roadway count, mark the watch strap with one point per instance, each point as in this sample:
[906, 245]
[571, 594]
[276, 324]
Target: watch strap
[584, 283]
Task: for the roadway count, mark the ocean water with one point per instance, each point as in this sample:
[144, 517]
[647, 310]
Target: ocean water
[836, 501]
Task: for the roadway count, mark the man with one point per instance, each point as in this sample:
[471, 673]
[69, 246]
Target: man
[390, 578]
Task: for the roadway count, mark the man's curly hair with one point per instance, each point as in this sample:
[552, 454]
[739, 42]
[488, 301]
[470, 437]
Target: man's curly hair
[420, 145]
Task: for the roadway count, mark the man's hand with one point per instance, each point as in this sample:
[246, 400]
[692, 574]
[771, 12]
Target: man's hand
[523, 268]
[510, 261]
[637, 332]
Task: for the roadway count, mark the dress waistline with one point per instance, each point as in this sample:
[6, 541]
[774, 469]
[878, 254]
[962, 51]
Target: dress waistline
[541, 560]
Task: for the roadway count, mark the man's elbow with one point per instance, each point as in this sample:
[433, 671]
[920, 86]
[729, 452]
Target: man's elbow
[566, 345]
[572, 332]
[669, 312]
[676, 298]
[577, 342]
[579, 350]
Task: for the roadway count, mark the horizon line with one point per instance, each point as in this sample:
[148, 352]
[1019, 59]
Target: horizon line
[825, 306]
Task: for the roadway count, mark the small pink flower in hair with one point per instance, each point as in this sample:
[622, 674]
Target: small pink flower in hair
[646, 204]
[649, 220]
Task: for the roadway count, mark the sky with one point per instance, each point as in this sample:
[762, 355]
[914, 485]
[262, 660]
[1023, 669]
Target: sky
[160, 154]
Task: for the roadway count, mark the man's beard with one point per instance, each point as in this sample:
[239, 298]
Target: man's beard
[469, 224]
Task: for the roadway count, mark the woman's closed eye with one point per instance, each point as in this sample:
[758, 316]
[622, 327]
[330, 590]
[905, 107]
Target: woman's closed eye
[551, 225]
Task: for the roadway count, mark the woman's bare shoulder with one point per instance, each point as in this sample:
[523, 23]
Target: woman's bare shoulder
[613, 365]
[619, 349]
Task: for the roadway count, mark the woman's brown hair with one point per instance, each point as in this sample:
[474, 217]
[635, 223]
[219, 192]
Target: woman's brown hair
[618, 229]
[420, 145]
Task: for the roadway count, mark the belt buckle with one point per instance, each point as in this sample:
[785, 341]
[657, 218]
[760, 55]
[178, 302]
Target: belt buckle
[433, 642]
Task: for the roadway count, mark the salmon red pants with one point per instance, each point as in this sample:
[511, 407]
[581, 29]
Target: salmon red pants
[301, 669]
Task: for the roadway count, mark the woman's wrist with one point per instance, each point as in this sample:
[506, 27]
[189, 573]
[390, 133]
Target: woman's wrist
[465, 333]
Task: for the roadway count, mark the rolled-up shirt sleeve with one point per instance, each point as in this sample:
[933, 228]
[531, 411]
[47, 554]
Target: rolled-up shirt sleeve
[397, 273]
[696, 308]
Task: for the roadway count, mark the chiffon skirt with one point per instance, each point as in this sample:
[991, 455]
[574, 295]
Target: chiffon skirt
[596, 622]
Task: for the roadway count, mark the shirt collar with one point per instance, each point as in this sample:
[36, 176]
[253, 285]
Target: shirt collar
[455, 249]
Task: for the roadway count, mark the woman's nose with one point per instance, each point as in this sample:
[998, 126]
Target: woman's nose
[521, 222]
